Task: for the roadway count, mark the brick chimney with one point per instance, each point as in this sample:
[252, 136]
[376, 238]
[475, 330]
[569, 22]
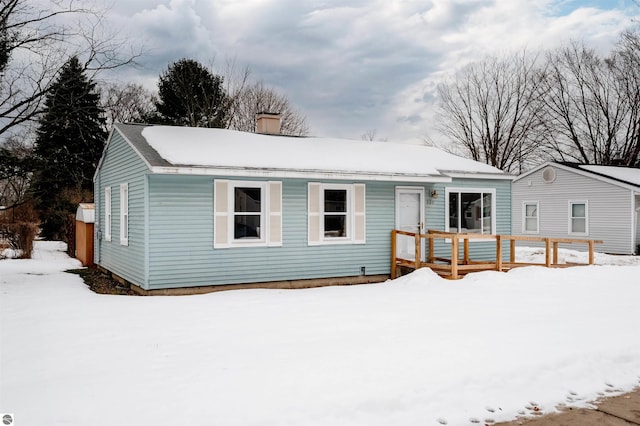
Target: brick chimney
[268, 123]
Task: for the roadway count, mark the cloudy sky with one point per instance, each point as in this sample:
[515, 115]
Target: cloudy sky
[352, 66]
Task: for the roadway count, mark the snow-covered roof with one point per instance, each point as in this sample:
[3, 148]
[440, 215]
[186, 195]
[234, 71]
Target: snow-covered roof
[189, 150]
[625, 174]
[86, 213]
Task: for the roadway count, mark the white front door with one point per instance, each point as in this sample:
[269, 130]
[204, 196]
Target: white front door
[409, 218]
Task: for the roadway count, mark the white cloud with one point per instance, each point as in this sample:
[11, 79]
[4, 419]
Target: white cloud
[355, 65]
[500, 27]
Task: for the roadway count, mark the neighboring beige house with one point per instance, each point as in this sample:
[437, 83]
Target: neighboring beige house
[580, 201]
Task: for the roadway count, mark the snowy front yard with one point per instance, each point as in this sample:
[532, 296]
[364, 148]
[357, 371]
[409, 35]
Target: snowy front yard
[416, 351]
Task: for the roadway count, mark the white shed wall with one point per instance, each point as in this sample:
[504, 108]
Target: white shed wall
[636, 245]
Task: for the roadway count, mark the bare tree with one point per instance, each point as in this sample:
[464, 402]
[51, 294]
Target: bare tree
[490, 112]
[34, 44]
[588, 102]
[628, 76]
[236, 82]
[369, 135]
[126, 102]
[255, 98]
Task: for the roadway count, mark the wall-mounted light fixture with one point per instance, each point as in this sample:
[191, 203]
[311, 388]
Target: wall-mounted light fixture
[434, 194]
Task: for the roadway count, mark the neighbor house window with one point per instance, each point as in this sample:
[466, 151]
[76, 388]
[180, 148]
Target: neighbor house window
[124, 214]
[578, 217]
[107, 213]
[530, 221]
[470, 210]
[336, 213]
[247, 213]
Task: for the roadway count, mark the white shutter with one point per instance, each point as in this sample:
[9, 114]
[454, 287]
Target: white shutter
[274, 216]
[221, 215]
[124, 214]
[359, 216]
[313, 214]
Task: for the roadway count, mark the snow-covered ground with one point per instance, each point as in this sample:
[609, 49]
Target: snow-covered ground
[416, 351]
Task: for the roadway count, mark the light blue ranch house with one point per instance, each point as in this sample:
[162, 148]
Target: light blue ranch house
[184, 210]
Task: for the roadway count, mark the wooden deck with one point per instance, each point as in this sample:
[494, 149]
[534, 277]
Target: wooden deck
[455, 267]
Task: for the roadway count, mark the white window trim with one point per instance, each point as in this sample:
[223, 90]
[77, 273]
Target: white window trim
[491, 191]
[124, 214]
[348, 214]
[107, 213]
[570, 217]
[352, 216]
[524, 217]
[264, 208]
[270, 214]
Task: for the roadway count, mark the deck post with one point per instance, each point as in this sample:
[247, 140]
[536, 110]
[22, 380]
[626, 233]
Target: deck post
[418, 254]
[393, 254]
[512, 251]
[591, 259]
[555, 252]
[431, 253]
[498, 253]
[466, 251]
[454, 256]
[547, 254]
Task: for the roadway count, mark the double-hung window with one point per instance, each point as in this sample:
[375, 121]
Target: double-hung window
[247, 213]
[530, 217]
[471, 210]
[336, 213]
[578, 217]
[107, 213]
[124, 214]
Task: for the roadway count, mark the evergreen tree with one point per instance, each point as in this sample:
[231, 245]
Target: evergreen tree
[70, 140]
[190, 95]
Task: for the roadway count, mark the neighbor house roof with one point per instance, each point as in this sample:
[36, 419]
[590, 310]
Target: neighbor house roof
[196, 150]
[628, 177]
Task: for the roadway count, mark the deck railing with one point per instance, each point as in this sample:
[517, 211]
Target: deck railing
[454, 267]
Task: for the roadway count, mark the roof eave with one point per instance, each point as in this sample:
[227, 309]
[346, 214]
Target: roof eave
[582, 172]
[300, 174]
[478, 175]
[104, 151]
[535, 169]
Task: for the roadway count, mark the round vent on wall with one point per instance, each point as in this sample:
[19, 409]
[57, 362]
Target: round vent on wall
[549, 174]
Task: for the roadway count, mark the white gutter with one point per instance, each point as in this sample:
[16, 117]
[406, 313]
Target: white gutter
[473, 175]
[301, 174]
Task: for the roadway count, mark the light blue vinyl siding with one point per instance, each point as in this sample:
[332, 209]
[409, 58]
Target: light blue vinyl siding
[122, 165]
[181, 252]
[181, 238]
